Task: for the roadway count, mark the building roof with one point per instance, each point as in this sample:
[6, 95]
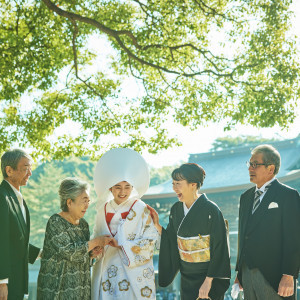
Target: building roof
[226, 169]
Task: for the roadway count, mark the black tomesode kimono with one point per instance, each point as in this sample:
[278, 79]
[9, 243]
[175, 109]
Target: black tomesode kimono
[197, 245]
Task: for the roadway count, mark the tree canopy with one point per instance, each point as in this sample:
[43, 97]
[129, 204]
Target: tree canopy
[194, 61]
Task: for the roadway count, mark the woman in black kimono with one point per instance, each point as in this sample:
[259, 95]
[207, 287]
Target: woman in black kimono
[195, 241]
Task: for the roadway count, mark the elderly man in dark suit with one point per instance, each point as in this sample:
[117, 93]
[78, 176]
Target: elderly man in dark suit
[269, 224]
[15, 250]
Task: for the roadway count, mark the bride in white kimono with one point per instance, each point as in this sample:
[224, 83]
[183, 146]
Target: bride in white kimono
[125, 272]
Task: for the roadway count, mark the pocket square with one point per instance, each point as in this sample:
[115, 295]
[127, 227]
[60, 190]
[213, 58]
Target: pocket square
[273, 205]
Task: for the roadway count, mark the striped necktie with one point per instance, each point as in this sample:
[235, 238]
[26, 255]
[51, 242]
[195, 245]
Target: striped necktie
[256, 201]
[257, 195]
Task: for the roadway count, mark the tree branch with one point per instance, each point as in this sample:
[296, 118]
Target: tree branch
[212, 11]
[116, 35]
[75, 32]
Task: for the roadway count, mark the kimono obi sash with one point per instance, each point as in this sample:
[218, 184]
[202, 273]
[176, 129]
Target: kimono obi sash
[194, 249]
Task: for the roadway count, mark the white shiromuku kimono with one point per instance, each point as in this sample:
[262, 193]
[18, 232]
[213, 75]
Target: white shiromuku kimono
[126, 274]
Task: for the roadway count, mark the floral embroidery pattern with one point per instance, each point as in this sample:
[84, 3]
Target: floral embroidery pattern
[144, 243]
[140, 259]
[149, 220]
[111, 291]
[146, 292]
[199, 242]
[139, 248]
[145, 212]
[131, 236]
[131, 215]
[148, 273]
[106, 285]
[194, 249]
[124, 285]
[136, 249]
[139, 279]
[112, 271]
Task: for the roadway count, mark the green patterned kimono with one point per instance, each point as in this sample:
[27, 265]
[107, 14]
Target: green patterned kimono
[65, 264]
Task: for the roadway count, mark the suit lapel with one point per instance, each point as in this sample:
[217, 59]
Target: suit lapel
[258, 216]
[11, 196]
[27, 215]
[247, 210]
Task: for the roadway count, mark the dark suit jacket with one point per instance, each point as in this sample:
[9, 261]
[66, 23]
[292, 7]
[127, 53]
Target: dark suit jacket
[270, 238]
[15, 250]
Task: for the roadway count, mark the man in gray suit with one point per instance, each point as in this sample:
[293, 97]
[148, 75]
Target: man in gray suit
[269, 241]
[15, 250]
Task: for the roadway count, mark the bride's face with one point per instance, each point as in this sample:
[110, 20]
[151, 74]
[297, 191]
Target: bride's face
[121, 191]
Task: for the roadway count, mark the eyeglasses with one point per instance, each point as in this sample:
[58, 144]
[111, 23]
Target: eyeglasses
[254, 165]
[85, 202]
[26, 169]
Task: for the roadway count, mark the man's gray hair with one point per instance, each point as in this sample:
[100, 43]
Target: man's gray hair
[71, 188]
[270, 156]
[11, 159]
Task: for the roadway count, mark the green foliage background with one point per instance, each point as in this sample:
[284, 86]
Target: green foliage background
[194, 61]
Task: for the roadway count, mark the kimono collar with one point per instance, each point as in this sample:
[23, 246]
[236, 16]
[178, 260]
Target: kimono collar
[115, 206]
[186, 209]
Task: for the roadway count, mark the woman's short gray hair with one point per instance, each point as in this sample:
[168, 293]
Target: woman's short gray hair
[71, 188]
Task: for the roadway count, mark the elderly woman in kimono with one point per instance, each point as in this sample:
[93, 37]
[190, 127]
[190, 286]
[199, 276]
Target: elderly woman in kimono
[126, 272]
[195, 240]
[65, 264]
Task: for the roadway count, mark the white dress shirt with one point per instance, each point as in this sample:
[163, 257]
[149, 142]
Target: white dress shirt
[263, 189]
[20, 199]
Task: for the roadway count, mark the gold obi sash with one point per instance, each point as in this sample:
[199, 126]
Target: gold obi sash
[194, 249]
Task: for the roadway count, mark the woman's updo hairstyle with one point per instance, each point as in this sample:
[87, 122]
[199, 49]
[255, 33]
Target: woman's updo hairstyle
[192, 173]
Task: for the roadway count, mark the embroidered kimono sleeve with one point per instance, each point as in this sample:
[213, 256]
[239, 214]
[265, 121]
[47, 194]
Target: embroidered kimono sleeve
[168, 256]
[61, 242]
[219, 266]
[138, 245]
